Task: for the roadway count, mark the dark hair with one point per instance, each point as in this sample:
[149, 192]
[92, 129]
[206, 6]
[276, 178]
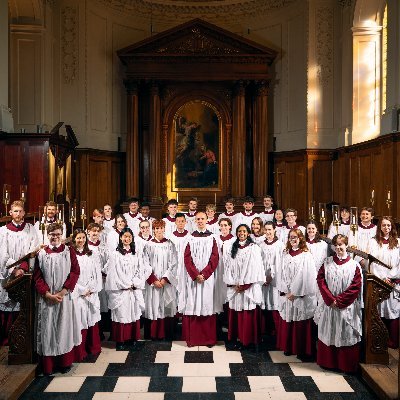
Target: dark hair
[94, 225]
[145, 204]
[261, 222]
[133, 200]
[227, 220]
[392, 234]
[248, 199]
[272, 223]
[235, 246]
[53, 227]
[229, 200]
[120, 246]
[369, 209]
[177, 215]
[283, 214]
[172, 202]
[344, 208]
[86, 249]
[317, 235]
[194, 199]
[268, 196]
[122, 217]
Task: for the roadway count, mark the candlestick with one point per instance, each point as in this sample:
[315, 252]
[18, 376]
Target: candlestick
[42, 223]
[60, 213]
[72, 217]
[177, 197]
[311, 211]
[83, 213]
[388, 202]
[372, 199]
[215, 198]
[322, 219]
[6, 195]
[336, 219]
[354, 224]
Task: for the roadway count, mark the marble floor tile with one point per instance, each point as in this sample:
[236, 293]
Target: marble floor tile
[232, 384]
[265, 384]
[332, 384]
[113, 357]
[128, 396]
[310, 369]
[170, 357]
[96, 369]
[279, 357]
[129, 384]
[65, 384]
[199, 384]
[198, 370]
[182, 346]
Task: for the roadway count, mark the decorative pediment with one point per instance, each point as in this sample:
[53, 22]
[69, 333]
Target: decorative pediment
[198, 45]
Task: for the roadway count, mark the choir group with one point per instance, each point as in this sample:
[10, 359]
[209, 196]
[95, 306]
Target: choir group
[258, 274]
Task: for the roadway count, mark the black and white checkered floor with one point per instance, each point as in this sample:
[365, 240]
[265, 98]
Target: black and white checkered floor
[171, 370]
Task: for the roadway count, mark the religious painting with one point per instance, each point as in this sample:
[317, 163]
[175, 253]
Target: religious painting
[197, 127]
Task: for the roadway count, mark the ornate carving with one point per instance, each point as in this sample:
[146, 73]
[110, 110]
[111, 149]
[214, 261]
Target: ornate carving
[324, 39]
[261, 88]
[379, 333]
[345, 3]
[182, 10]
[69, 43]
[196, 43]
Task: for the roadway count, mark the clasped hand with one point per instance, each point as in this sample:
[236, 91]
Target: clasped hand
[200, 279]
[160, 284]
[56, 297]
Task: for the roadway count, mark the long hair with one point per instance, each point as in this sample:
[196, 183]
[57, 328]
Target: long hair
[122, 217]
[120, 247]
[317, 235]
[302, 243]
[235, 246]
[283, 217]
[392, 234]
[261, 222]
[86, 249]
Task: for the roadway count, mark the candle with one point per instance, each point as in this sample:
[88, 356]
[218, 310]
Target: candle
[60, 215]
[83, 211]
[353, 219]
[336, 216]
[215, 198]
[72, 212]
[177, 197]
[7, 195]
[372, 194]
[388, 197]
[322, 213]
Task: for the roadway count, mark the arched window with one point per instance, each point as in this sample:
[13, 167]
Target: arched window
[384, 58]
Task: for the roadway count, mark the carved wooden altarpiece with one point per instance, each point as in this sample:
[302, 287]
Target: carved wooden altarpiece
[197, 62]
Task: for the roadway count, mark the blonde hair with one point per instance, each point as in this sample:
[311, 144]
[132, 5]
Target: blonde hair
[212, 207]
[17, 203]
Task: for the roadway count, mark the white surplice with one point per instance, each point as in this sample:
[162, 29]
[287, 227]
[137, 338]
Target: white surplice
[162, 258]
[272, 253]
[298, 276]
[246, 268]
[319, 251]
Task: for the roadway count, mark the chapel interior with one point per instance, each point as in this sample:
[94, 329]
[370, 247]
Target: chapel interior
[306, 95]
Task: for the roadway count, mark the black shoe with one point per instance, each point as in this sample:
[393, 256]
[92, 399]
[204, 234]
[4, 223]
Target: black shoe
[287, 353]
[65, 370]
[120, 346]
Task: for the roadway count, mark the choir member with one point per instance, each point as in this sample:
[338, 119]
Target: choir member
[98, 216]
[109, 221]
[144, 235]
[225, 241]
[244, 275]
[160, 294]
[279, 219]
[192, 209]
[113, 235]
[196, 286]
[272, 253]
[344, 227]
[212, 220]
[366, 230]
[17, 239]
[172, 209]
[126, 276]
[145, 214]
[339, 312]
[58, 325]
[291, 217]
[100, 251]
[257, 230]
[87, 288]
[132, 216]
[50, 210]
[229, 210]
[247, 215]
[385, 247]
[269, 212]
[297, 286]
[318, 248]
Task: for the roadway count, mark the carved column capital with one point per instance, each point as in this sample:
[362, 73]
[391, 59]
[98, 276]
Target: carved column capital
[261, 88]
[154, 88]
[239, 88]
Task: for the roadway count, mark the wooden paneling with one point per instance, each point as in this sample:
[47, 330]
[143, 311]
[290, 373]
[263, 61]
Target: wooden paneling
[99, 177]
[24, 161]
[345, 175]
